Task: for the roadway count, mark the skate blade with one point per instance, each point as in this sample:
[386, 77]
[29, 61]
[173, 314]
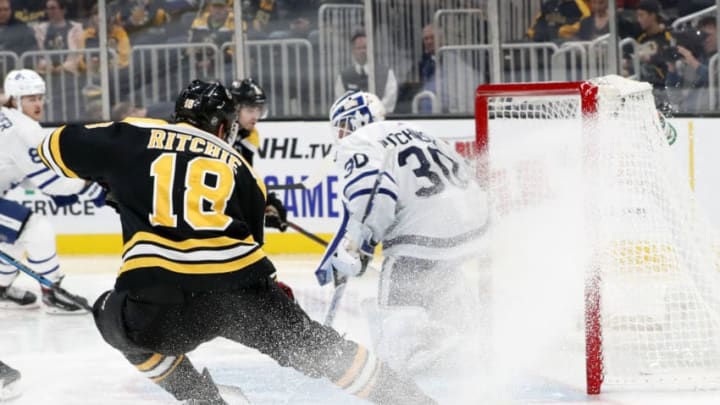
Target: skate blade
[10, 391]
[233, 395]
[61, 312]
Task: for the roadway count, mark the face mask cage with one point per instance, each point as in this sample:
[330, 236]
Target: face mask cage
[342, 127]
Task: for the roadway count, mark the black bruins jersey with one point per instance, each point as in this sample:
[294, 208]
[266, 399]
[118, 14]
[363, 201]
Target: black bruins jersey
[191, 208]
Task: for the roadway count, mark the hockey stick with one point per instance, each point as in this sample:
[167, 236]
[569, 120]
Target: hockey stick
[46, 282]
[307, 233]
[291, 186]
[341, 281]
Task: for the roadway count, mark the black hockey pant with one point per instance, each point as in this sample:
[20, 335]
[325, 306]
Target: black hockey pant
[155, 327]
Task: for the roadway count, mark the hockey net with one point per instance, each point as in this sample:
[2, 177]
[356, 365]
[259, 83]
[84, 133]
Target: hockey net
[593, 214]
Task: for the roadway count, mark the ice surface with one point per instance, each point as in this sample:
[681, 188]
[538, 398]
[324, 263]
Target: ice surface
[65, 362]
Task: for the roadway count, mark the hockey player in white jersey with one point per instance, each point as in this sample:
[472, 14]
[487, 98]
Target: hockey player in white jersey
[412, 192]
[22, 232]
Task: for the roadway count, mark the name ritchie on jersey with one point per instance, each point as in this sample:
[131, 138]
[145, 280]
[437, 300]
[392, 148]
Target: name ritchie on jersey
[405, 136]
[179, 142]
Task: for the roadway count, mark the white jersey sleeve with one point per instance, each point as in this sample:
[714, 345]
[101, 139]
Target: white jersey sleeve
[19, 160]
[428, 205]
[369, 187]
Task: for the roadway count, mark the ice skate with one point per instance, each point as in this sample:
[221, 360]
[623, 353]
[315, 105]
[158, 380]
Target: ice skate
[56, 304]
[12, 297]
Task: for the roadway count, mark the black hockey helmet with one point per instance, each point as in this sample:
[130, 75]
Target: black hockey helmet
[206, 105]
[248, 92]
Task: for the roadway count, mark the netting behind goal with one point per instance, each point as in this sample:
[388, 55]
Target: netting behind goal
[596, 224]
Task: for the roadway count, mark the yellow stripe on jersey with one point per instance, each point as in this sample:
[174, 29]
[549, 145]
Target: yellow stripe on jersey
[42, 156]
[217, 242]
[50, 154]
[258, 180]
[138, 120]
[193, 268]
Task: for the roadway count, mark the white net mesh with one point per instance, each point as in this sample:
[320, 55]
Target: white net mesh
[571, 195]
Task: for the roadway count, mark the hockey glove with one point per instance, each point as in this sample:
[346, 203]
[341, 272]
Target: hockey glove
[63, 200]
[347, 259]
[93, 192]
[275, 213]
[287, 290]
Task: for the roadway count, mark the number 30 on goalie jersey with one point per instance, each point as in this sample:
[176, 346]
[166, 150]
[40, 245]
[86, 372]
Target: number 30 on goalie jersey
[426, 198]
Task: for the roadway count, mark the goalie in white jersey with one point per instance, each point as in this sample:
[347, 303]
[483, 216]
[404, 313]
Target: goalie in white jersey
[21, 231]
[412, 192]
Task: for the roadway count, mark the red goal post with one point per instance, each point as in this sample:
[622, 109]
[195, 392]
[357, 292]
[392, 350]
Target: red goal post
[657, 248]
[588, 96]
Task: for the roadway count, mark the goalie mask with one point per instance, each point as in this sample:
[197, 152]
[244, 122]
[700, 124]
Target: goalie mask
[208, 106]
[354, 110]
[23, 82]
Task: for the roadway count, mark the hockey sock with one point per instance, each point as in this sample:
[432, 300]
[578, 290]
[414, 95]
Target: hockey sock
[176, 375]
[369, 378]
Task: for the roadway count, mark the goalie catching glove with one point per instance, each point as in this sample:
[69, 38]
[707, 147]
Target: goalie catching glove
[275, 213]
[348, 260]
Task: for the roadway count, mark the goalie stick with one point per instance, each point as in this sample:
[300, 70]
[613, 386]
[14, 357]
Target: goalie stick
[341, 281]
[46, 281]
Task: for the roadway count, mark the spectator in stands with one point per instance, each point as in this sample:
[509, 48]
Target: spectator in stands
[144, 20]
[126, 109]
[558, 20]
[216, 26]
[15, 35]
[596, 24]
[118, 41]
[58, 33]
[298, 19]
[30, 12]
[689, 75]
[260, 18]
[355, 76]
[426, 68]
[654, 46]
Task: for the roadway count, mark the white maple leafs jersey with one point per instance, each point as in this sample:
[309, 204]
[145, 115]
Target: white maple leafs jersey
[19, 160]
[428, 204]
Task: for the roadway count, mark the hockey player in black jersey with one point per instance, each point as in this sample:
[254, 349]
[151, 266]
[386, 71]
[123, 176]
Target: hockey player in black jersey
[193, 266]
[251, 101]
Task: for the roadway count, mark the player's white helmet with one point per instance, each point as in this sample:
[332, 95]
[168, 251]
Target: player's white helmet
[353, 110]
[23, 82]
